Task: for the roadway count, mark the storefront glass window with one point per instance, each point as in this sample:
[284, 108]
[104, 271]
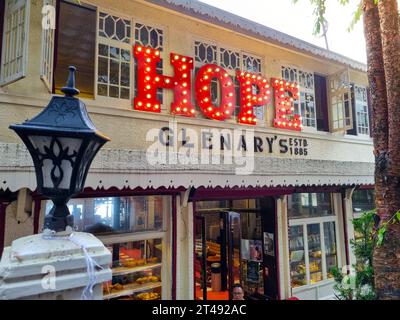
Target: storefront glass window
[314, 252]
[363, 200]
[117, 214]
[330, 247]
[206, 205]
[140, 266]
[136, 270]
[312, 238]
[297, 257]
[308, 205]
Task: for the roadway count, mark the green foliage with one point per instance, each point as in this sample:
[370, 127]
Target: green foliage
[319, 14]
[358, 282]
[320, 9]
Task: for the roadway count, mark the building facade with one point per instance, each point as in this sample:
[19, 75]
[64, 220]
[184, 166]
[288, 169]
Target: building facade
[206, 181]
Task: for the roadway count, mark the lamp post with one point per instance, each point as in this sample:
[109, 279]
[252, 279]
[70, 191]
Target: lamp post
[62, 141]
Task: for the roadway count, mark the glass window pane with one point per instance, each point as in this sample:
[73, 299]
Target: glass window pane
[297, 257]
[103, 50]
[117, 214]
[314, 252]
[124, 93]
[363, 200]
[307, 205]
[136, 270]
[114, 72]
[102, 90]
[330, 247]
[125, 74]
[114, 53]
[114, 92]
[102, 70]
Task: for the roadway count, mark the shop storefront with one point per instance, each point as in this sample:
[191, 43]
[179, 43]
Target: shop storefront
[136, 230]
[238, 154]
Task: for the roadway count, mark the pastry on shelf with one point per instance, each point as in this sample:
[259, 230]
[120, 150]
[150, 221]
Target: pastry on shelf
[130, 263]
[152, 260]
[148, 296]
[143, 280]
[116, 287]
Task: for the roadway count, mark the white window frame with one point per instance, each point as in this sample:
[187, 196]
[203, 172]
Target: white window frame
[47, 56]
[231, 72]
[363, 104]
[302, 90]
[316, 220]
[22, 42]
[117, 102]
[338, 86]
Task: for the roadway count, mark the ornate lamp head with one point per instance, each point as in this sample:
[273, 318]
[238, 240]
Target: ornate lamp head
[63, 142]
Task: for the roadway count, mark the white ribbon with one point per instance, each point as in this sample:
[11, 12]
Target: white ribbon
[87, 293]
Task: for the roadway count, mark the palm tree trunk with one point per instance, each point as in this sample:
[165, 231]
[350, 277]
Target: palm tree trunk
[386, 259]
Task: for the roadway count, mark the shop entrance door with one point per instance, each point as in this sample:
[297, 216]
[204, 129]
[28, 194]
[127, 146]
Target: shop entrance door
[217, 255]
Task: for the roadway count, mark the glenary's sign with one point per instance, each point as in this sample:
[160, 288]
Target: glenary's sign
[181, 83]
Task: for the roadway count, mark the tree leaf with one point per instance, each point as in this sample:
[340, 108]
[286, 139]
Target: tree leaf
[381, 235]
[398, 216]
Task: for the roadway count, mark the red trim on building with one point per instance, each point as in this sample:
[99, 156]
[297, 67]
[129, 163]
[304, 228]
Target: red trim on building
[194, 250]
[114, 191]
[36, 214]
[366, 187]
[3, 206]
[276, 243]
[219, 193]
[346, 235]
[174, 246]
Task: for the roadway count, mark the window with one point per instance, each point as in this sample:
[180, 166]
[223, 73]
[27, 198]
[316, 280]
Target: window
[15, 40]
[308, 205]
[362, 117]
[321, 103]
[340, 101]
[47, 58]
[231, 60]
[149, 36]
[363, 200]
[305, 107]
[114, 57]
[76, 34]
[312, 238]
[134, 229]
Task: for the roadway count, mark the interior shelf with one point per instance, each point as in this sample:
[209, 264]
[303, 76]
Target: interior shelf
[132, 288]
[119, 271]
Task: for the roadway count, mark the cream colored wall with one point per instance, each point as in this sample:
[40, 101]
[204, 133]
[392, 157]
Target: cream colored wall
[31, 85]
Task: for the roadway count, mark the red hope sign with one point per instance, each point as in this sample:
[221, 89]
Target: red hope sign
[181, 83]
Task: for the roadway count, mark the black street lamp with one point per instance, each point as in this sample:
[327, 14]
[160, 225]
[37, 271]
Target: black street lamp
[62, 141]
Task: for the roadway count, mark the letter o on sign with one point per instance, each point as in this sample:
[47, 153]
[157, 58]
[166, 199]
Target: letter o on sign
[203, 92]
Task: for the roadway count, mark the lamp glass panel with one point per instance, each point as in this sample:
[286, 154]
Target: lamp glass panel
[59, 156]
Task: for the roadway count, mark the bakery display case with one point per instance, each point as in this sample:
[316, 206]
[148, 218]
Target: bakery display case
[314, 252]
[297, 257]
[136, 270]
[330, 247]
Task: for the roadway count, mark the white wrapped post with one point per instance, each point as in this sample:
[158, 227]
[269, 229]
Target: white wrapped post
[64, 268]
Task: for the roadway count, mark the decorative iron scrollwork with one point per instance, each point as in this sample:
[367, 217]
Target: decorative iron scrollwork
[57, 155]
